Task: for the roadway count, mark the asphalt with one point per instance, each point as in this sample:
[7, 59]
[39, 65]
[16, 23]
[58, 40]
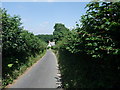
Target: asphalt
[41, 75]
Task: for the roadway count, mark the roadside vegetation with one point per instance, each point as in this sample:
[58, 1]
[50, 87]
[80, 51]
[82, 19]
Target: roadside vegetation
[20, 48]
[89, 55]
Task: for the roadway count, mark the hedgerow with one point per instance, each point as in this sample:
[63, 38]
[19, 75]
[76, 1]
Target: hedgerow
[89, 54]
[18, 46]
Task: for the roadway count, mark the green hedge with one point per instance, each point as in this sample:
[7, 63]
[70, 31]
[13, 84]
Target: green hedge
[18, 45]
[89, 55]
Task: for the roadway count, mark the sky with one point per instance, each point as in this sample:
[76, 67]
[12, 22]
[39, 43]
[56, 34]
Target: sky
[40, 17]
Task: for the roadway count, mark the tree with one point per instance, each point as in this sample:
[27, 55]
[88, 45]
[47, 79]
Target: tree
[60, 31]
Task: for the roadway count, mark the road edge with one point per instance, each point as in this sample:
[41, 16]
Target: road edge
[27, 70]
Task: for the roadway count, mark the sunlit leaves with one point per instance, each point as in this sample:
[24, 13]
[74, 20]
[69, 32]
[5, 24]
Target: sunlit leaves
[10, 65]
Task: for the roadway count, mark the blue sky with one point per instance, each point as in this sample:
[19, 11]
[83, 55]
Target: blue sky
[40, 17]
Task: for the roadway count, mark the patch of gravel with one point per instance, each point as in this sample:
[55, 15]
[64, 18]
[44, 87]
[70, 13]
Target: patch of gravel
[58, 78]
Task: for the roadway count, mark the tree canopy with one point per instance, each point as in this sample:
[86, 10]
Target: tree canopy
[59, 31]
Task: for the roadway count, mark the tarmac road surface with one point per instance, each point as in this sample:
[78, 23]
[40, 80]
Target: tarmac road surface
[41, 75]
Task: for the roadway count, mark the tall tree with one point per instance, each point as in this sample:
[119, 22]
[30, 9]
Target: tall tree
[59, 31]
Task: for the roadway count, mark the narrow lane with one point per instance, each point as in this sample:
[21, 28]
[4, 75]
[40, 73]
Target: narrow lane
[42, 75]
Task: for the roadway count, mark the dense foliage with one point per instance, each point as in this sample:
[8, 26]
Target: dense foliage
[59, 31]
[18, 45]
[89, 55]
[45, 37]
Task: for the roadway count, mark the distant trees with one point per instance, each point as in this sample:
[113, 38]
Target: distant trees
[59, 31]
[45, 37]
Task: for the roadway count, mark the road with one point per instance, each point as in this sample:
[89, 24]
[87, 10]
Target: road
[41, 75]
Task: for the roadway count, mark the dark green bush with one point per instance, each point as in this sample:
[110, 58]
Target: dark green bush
[89, 55]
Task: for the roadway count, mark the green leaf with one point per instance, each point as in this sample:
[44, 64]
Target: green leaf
[94, 56]
[10, 65]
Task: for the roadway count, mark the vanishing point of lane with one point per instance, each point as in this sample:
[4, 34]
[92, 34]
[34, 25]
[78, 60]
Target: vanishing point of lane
[42, 75]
